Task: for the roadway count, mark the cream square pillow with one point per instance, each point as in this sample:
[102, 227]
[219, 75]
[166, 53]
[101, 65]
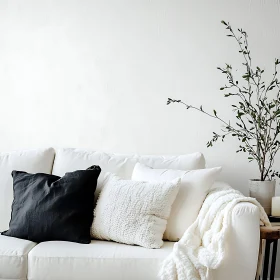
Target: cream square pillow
[133, 212]
[194, 187]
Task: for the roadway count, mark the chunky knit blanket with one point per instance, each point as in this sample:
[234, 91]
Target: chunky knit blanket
[202, 247]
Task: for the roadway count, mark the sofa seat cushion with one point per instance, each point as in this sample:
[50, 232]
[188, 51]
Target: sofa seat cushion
[57, 260]
[13, 257]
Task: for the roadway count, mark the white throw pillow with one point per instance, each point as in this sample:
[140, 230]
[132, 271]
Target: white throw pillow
[133, 212]
[194, 187]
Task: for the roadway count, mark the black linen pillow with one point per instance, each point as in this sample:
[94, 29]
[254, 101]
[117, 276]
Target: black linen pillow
[48, 207]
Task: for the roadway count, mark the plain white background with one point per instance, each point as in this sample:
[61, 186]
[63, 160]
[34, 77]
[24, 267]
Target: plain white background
[97, 74]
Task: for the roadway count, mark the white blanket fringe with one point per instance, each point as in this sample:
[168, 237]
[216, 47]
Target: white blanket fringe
[202, 247]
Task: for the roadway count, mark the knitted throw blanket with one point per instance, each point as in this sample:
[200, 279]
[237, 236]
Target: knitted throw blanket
[202, 246]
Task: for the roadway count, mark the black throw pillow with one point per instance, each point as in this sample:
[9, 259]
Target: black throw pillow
[48, 207]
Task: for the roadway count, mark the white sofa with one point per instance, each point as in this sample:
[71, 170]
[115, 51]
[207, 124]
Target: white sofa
[100, 260]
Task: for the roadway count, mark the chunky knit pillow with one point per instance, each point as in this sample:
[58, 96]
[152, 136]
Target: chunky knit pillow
[133, 212]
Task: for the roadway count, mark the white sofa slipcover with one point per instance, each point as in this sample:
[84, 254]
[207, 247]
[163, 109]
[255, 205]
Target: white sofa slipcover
[100, 260]
[104, 260]
[242, 245]
[13, 257]
[107, 260]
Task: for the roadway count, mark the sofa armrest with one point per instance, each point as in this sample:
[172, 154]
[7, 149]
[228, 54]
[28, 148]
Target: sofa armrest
[242, 244]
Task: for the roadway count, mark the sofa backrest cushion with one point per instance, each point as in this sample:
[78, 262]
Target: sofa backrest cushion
[67, 160]
[32, 161]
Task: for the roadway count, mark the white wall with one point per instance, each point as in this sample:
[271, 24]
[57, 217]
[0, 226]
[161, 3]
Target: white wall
[96, 74]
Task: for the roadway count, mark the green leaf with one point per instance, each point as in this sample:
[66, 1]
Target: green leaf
[223, 22]
[228, 94]
[239, 114]
[215, 113]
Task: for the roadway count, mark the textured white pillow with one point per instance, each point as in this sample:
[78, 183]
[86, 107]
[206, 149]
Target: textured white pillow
[133, 212]
[194, 187]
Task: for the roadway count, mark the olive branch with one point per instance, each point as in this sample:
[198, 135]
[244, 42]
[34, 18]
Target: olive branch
[256, 108]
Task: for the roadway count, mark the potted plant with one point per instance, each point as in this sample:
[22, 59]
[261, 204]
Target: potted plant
[256, 105]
